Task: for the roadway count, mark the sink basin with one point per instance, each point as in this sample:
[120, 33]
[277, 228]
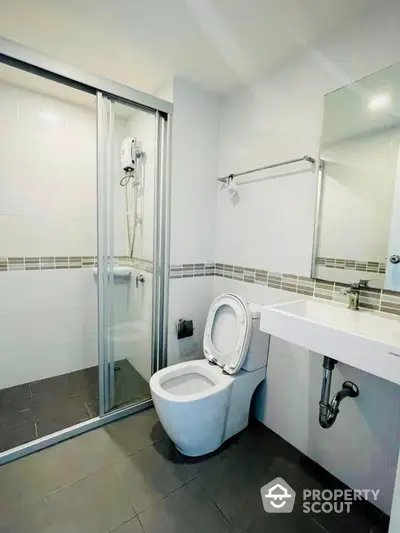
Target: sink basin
[364, 339]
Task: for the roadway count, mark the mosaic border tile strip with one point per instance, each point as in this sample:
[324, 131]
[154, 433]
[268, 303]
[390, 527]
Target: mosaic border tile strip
[9, 264]
[370, 298]
[352, 264]
[46, 262]
[191, 270]
[376, 299]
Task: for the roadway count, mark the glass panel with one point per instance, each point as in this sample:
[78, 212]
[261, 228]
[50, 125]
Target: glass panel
[48, 326]
[130, 177]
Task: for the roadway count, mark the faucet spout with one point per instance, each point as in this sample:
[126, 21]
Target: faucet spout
[354, 293]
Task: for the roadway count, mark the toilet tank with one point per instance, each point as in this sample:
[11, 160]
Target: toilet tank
[257, 354]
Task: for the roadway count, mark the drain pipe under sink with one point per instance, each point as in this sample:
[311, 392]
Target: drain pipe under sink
[328, 411]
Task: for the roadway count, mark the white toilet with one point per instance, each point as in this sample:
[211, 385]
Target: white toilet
[204, 402]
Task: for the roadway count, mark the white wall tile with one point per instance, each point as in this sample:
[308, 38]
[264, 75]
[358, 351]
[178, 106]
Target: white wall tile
[195, 145]
[47, 176]
[190, 299]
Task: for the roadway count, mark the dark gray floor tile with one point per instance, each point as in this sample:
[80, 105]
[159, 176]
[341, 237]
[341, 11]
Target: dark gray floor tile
[92, 407]
[129, 384]
[383, 525]
[301, 472]
[45, 407]
[136, 432]
[17, 393]
[32, 518]
[363, 516]
[206, 464]
[88, 377]
[15, 413]
[294, 522]
[64, 384]
[35, 476]
[126, 392]
[233, 480]
[49, 426]
[152, 473]
[15, 436]
[96, 504]
[187, 510]
[133, 526]
[359, 520]
[90, 393]
[51, 417]
[257, 438]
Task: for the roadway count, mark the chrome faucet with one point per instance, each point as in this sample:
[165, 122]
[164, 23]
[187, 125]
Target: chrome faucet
[354, 293]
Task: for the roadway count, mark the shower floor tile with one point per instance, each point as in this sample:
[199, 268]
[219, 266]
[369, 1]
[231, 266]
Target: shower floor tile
[17, 435]
[39, 408]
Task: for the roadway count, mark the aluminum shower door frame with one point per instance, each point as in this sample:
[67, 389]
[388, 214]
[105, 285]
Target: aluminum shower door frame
[23, 58]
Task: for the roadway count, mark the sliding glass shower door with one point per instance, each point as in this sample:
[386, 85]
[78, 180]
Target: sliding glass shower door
[84, 255]
[129, 162]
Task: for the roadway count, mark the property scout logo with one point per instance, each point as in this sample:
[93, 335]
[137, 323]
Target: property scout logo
[279, 497]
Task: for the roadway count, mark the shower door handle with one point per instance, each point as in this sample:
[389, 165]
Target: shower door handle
[139, 278]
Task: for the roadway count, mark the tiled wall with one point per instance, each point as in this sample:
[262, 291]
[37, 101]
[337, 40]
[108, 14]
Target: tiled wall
[370, 298]
[46, 263]
[190, 270]
[8, 264]
[352, 264]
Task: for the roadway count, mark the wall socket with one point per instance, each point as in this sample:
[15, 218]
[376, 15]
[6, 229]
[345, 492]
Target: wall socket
[184, 328]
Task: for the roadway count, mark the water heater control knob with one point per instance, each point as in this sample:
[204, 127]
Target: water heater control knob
[395, 259]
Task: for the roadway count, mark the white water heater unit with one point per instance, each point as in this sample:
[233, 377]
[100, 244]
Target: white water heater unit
[128, 154]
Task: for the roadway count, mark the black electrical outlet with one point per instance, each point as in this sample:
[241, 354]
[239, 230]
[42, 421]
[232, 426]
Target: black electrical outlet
[184, 328]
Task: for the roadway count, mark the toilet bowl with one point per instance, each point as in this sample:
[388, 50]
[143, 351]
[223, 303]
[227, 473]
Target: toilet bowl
[204, 402]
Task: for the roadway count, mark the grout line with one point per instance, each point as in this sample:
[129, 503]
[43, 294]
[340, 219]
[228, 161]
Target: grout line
[166, 495]
[323, 528]
[125, 489]
[141, 523]
[215, 503]
[36, 427]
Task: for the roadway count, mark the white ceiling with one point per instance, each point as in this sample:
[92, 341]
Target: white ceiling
[143, 43]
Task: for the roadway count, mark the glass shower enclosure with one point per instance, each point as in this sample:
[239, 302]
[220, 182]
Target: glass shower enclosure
[129, 270]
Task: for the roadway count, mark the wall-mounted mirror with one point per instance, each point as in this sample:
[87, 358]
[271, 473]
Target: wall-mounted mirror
[358, 210]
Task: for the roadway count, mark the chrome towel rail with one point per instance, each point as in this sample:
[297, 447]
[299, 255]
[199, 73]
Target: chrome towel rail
[308, 158]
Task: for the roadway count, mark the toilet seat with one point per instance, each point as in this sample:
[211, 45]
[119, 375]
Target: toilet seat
[189, 381]
[227, 332]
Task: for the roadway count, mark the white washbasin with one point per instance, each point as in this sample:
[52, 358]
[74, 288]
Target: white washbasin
[364, 339]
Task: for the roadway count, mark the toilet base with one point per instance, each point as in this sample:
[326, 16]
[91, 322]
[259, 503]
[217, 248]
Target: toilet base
[197, 452]
[237, 415]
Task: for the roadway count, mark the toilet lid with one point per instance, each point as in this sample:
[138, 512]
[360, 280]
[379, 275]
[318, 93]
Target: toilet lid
[227, 332]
